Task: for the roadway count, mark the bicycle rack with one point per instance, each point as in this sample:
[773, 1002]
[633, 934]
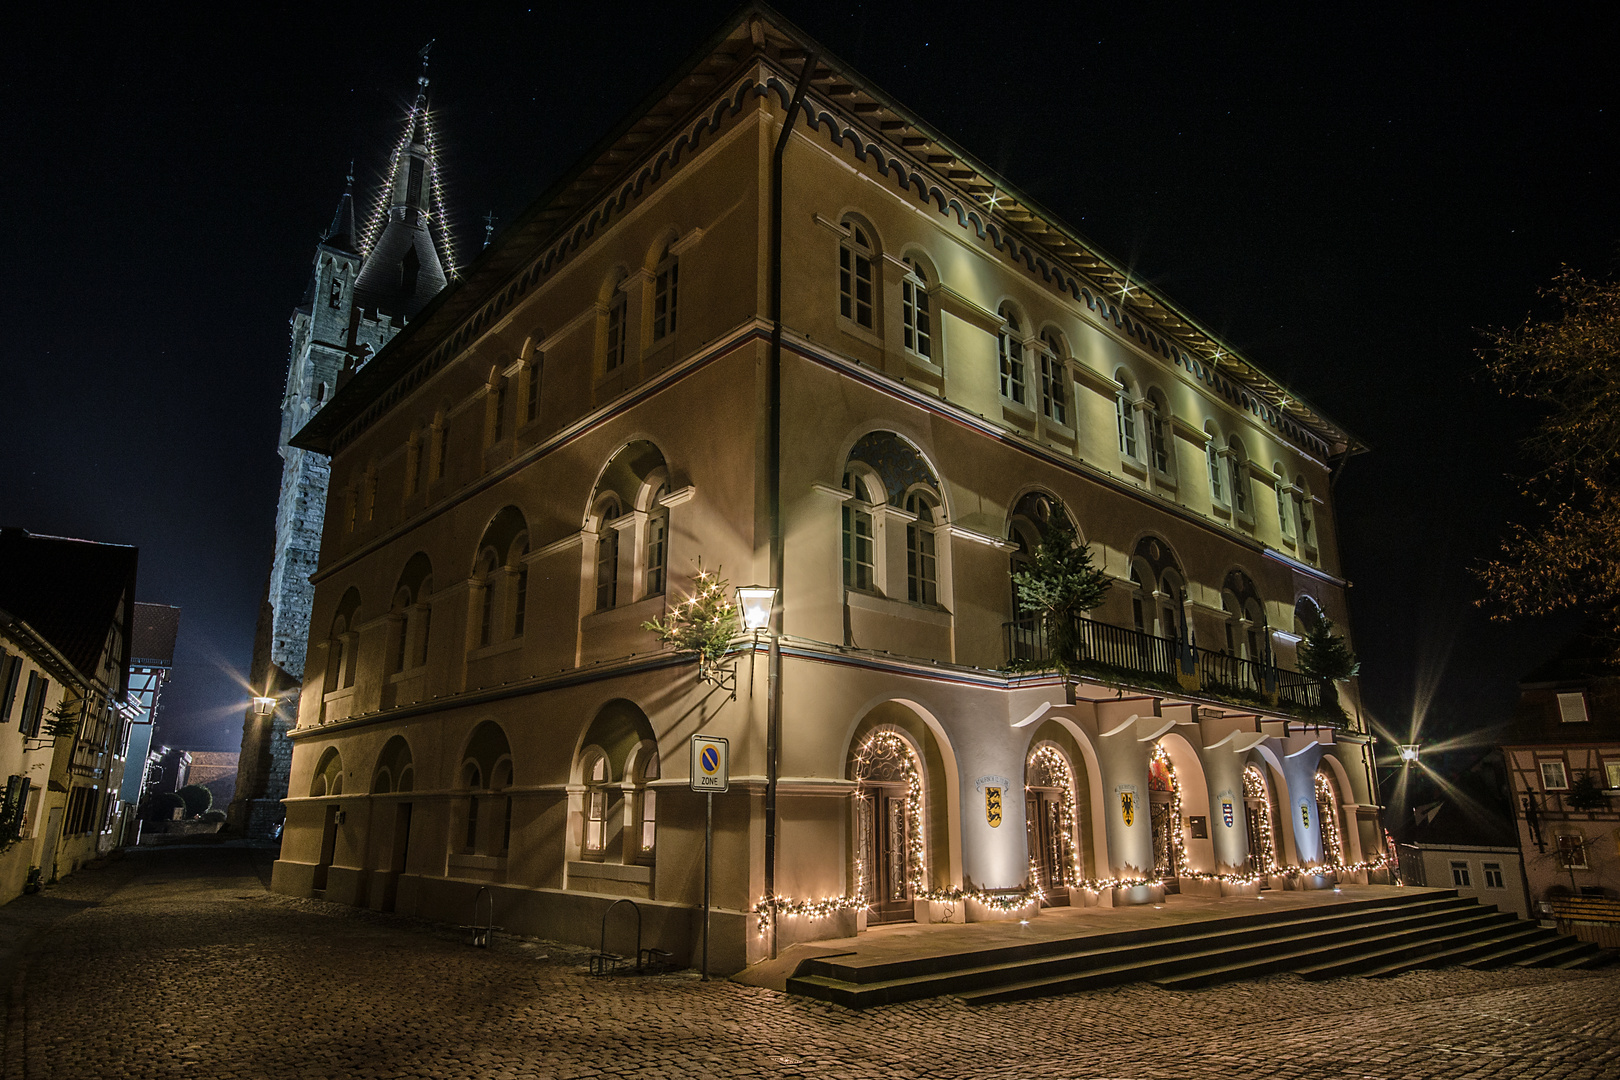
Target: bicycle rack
[606, 963]
[482, 931]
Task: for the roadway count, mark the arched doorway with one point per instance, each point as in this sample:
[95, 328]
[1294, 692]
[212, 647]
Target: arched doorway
[1257, 811]
[890, 845]
[1327, 819]
[1164, 797]
[1051, 814]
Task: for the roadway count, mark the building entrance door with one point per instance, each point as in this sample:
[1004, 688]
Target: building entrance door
[1259, 826]
[328, 849]
[1164, 851]
[885, 851]
[1050, 846]
[397, 858]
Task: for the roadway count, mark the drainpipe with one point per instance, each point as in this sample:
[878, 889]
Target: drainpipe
[773, 471]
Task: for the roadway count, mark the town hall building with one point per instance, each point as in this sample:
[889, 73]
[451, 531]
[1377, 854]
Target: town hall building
[782, 330]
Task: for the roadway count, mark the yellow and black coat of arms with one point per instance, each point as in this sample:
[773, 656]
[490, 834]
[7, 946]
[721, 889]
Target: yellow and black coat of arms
[992, 806]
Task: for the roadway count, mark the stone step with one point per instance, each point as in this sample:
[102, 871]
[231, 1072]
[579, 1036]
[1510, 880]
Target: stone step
[1390, 950]
[1455, 955]
[1536, 941]
[1104, 956]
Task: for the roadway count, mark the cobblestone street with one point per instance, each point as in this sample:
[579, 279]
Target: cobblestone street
[179, 963]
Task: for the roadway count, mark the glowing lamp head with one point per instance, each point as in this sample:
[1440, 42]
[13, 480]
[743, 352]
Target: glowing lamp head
[1409, 753]
[264, 706]
[756, 602]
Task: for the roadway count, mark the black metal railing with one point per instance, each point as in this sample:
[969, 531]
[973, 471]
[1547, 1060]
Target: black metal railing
[1103, 650]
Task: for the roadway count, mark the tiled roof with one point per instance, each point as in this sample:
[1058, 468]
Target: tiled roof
[68, 591]
[156, 626]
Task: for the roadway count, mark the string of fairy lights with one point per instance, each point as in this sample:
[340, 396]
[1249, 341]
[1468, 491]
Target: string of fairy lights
[378, 218]
[888, 747]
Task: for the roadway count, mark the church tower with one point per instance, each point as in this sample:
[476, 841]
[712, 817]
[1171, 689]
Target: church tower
[362, 290]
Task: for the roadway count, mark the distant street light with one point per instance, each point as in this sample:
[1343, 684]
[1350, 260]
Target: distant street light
[1409, 753]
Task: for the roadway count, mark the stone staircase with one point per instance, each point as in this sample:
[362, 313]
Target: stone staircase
[1372, 937]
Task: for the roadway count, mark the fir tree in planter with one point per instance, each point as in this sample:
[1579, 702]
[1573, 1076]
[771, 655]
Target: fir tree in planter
[1059, 584]
[1324, 656]
[705, 623]
[1586, 793]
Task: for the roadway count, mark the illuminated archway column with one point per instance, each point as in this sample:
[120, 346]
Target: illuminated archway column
[1122, 754]
[994, 856]
[1300, 758]
[1228, 740]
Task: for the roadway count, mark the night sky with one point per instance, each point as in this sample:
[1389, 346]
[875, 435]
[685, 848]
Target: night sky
[1346, 198]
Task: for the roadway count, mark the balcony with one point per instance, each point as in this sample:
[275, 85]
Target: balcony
[1118, 656]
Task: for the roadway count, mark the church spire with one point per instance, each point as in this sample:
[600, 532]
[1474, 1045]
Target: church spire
[407, 251]
[341, 234]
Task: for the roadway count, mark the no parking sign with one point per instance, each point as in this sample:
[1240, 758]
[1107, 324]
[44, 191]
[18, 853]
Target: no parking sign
[711, 763]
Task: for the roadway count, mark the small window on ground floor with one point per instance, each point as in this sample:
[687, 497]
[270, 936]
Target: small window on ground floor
[1493, 876]
[1553, 776]
[1459, 875]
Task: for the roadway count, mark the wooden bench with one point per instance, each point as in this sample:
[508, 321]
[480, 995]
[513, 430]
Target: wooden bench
[1586, 909]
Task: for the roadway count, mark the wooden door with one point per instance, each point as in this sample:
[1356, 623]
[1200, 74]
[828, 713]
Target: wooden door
[1049, 845]
[1257, 839]
[886, 848]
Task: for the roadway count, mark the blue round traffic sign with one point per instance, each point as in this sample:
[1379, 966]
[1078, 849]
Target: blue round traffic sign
[709, 759]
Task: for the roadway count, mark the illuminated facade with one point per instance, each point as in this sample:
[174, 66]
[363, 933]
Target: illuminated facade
[534, 468]
[364, 285]
[66, 623]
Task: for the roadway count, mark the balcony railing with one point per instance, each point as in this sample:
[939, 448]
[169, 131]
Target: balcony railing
[1118, 654]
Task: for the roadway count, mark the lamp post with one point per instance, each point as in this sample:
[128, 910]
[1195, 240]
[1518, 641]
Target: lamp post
[1409, 753]
[264, 706]
[757, 603]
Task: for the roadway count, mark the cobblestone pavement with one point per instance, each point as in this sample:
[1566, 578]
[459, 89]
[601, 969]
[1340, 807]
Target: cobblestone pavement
[178, 963]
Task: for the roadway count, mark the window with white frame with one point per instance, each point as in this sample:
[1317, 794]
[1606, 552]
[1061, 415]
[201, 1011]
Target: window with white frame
[856, 286]
[1125, 417]
[1572, 851]
[915, 314]
[1554, 777]
[1572, 708]
[1237, 474]
[666, 294]
[1493, 876]
[1157, 415]
[1054, 380]
[1459, 875]
[657, 542]
[859, 537]
[922, 566]
[1212, 454]
[1612, 769]
[613, 352]
[1285, 503]
[596, 808]
[647, 809]
[1010, 350]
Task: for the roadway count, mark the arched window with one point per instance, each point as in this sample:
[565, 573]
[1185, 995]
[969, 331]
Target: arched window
[1125, 415]
[914, 310]
[503, 780]
[400, 627]
[520, 584]
[1054, 385]
[485, 574]
[1157, 414]
[1172, 597]
[531, 389]
[596, 807]
[607, 554]
[859, 548]
[472, 780]
[922, 572]
[1237, 472]
[497, 409]
[856, 287]
[647, 807]
[657, 541]
[1212, 453]
[1138, 600]
[1327, 820]
[666, 293]
[1010, 347]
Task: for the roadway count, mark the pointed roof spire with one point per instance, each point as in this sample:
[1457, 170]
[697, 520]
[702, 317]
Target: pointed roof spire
[406, 249]
[489, 227]
[341, 234]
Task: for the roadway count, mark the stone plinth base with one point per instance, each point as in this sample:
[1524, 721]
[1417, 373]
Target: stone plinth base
[941, 911]
[977, 911]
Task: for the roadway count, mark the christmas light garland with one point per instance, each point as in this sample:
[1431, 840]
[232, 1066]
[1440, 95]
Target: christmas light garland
[1177, 854]
[880, 745]
[1254, 787]
[1328, 824]
[1052, 759]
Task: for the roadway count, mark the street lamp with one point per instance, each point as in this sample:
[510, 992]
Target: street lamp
[264, 706]
[1409, 753]
[756, 602]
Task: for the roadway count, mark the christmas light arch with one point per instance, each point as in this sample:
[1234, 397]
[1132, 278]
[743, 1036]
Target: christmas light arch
[1254, 787]
[1048, 759]
[1327, 819]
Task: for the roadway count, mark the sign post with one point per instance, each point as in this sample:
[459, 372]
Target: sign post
[710, 772]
